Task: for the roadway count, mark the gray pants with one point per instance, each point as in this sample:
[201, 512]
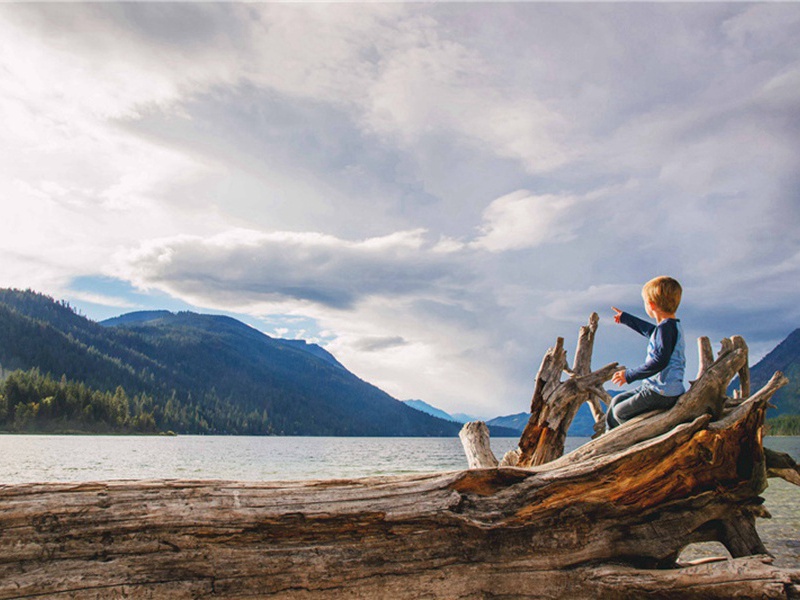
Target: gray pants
[627, 405]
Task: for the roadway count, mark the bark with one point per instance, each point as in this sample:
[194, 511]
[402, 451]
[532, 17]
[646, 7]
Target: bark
[744, 372]
[607, 520]
[780, 464]
[475, 439]
[705, 354]
[555, 402]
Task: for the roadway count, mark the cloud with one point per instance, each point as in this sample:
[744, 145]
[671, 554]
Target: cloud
[73, 185]
[400, 309]
[524, 220]
[443, 189]
[374, 344]
[103, 300]
[435, 86]
[244, 267]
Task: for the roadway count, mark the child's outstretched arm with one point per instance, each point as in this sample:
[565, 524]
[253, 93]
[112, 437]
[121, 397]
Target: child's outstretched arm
[619, 376]
[638, 325]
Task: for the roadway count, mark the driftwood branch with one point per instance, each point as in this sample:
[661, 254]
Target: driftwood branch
[705, 354]
[744, 372]
[780, 464]
[607, 520]
[475, 440]
[556, 402]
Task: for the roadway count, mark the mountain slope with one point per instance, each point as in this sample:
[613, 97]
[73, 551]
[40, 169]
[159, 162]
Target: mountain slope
[427, 408]
[495, 430]
[516, 422]
[786, 358]
[582, 425]
[204, 373]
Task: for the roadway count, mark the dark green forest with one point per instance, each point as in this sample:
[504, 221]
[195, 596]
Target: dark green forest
[784, 425]
[32, 402]
[184, 372]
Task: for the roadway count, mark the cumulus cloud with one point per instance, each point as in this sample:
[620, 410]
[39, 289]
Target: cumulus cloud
[440, 86]
[524, 220]
[248, 267]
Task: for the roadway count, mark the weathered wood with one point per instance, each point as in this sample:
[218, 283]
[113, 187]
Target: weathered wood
[556, 402]
[744, 372]
[475, 440]
[705, 355]
[582, 365]
[728, 426]
[780, 464]
[511, 458]
[706, 396]
[607, 520]
[751, 577]
[449, 535]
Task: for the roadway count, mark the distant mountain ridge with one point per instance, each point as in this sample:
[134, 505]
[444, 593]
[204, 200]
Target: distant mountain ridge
[582, 425]
[497, 430]
[464, 418]
[197, 373]
[165, 316]
[516, 422]
[136, 317]
[785, 357]
[431, 410]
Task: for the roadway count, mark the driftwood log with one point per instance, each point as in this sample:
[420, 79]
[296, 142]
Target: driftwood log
[607, 520]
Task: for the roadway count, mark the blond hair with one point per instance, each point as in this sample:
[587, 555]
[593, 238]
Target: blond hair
[664, 292]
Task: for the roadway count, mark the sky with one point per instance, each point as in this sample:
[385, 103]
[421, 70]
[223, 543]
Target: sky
[434, 192]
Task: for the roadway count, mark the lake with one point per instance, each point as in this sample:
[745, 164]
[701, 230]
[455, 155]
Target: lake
[40, 458]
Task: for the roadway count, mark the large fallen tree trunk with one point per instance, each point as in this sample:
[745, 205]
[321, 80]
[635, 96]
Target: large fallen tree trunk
[609, 519]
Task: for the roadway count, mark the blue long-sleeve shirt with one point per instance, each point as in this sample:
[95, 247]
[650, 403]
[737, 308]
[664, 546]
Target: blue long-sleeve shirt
[665, 364]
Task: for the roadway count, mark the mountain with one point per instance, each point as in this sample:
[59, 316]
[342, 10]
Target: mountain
[315, 350]
[133, 318]
[786, 358]
[464, 418]
[189, 373]
[163, 316]
[497, 430]
[582, 425]
[427, 408]
[516, 422]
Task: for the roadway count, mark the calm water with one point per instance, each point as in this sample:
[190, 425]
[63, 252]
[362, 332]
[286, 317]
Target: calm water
[39, 458]
[29, 458]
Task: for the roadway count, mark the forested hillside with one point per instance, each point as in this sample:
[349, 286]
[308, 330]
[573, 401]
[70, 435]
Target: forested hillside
[30, 401]
[786, 358]
[183, 372]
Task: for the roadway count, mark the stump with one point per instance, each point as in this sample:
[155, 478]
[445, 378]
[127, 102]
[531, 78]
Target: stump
[607, 520]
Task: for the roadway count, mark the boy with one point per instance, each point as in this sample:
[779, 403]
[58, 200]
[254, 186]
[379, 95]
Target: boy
[663, 369]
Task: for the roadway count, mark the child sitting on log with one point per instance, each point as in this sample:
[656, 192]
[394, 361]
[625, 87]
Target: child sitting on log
[663, 369]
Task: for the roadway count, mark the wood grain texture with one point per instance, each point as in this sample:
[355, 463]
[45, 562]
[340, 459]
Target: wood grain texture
[607, 520]
[555, 402]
